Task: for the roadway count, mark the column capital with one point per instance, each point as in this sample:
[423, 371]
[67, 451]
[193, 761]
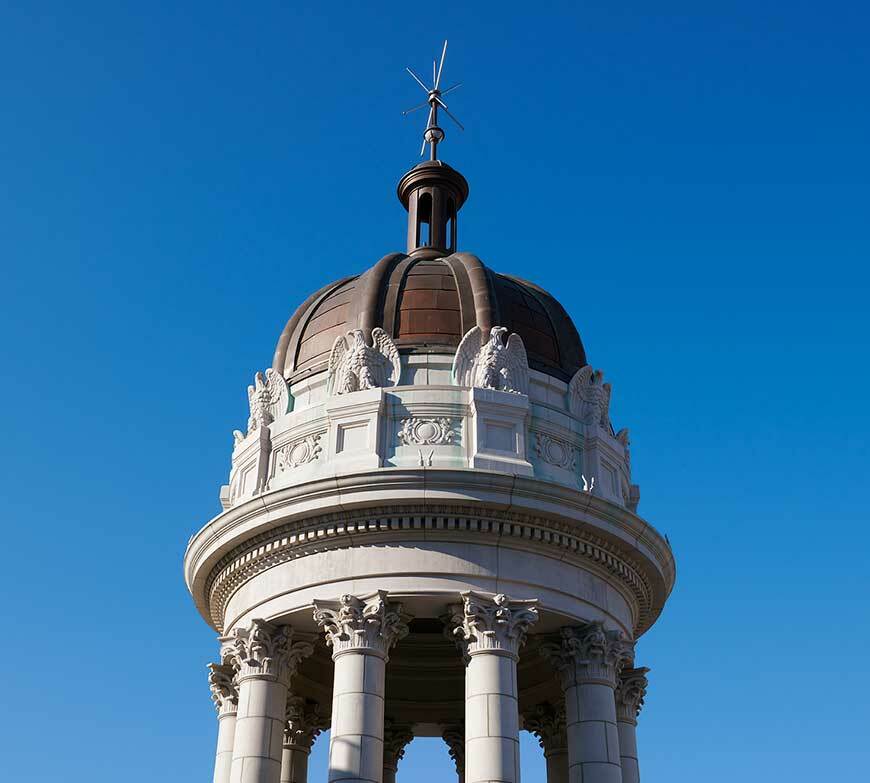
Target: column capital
[492, 624]
[265, 651]
[548, 724]
[630, 693]
[454, 736]
[589, 654]
[303, 723]
[224, 688]
[396, 739]
[367, 624]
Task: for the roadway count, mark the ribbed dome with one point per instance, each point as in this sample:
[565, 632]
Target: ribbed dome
[427, 304]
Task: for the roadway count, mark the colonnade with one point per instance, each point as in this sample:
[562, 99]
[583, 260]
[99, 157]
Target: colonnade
[265, 731]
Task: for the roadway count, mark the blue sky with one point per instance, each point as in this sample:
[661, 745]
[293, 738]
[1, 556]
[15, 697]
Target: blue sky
[691, 180]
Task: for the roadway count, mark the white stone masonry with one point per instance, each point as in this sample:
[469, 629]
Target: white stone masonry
[225, 694]
[492, 630]
[361, 632]
[630, 693]
[396, 739]
[266, 658]
[304, 722]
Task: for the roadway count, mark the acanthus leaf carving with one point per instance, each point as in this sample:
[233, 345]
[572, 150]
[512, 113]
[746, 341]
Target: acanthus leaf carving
[417, 431]
[265, 650]
[397, 736]
[630, 693]
[223, 687]
[355, 366]
[302, 723]
[367, 624]
[497, 623]
[499, 363]
[548, 723]
[589, 397]
[454, 737]
[589, 653]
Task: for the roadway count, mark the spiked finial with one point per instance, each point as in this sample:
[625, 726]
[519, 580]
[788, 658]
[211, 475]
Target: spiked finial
[433, 135]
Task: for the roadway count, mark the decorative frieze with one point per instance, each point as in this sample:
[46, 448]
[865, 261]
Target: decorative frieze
[630, 693]
[426, 431]
[589, 397]
[547, 723]
[303, 723]
[589, 654]
[492, 623]
[356, 366]
[368, 624]
[498, 363]
[556, 452]
[265, 650]
[224, 688]
[299, 452]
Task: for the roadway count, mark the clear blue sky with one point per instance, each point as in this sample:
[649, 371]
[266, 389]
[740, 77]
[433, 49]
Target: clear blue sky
[692, 179]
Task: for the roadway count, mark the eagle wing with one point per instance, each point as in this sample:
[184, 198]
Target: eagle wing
[466, 357]
[390, 369]
[517, 363]
[578, 389]
[338, 358]
[279, 394]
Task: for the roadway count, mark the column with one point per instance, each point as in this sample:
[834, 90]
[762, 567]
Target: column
[396, 738]
[548, 724]
[361, 632]
[589, 660]
[225, 695]
[630, 693]
[266, 657]
[492, 630]
[302, 726]
[454, 736]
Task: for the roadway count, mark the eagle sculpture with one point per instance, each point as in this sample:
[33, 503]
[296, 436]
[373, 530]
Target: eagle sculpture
[499, 363]
[268, 398]
[589, 397]
[355, 366]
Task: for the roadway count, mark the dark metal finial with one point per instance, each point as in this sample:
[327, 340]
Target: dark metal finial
[433, 135]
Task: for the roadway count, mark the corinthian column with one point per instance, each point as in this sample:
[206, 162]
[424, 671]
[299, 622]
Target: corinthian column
[548, 724]
[361, 632]
[225, 695]
[304, 723]
[589, 660]
[396, 738]
[266, 657]
[630, 693]
[454, 736]
[491, 631]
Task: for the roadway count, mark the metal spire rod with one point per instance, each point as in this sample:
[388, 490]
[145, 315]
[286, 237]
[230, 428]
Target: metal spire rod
[433, 135]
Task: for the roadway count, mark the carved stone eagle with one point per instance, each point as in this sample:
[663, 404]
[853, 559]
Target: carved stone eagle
[268, 398]
[589, 397]
[499, 363]
[355, 366]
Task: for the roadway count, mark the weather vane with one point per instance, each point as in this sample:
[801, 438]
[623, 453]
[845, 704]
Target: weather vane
[433, 134]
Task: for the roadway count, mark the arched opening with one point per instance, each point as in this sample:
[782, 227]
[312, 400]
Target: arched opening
[424, 220]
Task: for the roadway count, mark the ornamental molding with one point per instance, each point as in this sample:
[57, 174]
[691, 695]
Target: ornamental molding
[589, 397]
[492, 624]
[630, 693]
[548, 724]
[356, 366]
[298, 452]
[498, 361]
[417, 431]
[588, 654]
[224, 688]
[556, 451]
[502, 528]
[268, 398]
[302, 723]
[397, 736]
[367, 624]
[264, 651]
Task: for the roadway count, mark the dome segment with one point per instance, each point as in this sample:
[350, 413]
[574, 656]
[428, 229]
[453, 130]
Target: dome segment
[426, 304]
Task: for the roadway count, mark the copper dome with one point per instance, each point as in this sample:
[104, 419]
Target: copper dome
[428, 303]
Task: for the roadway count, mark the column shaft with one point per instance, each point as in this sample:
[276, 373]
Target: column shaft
[630, 694]
[593, 740]
[259, 734]
[224, 758]
[356, 746]
[492, 736]
[628, 752]
[557, 766]
[294, 765]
